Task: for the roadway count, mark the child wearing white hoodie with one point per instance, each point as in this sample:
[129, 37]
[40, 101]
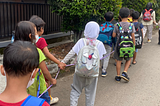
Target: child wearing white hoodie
[89, 78]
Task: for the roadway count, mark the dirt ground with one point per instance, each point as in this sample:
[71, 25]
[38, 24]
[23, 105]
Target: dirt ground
[60, 52]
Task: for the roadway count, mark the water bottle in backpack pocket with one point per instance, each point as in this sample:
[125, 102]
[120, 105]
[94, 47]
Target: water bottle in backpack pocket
[105, 34]
[125, 44]
[88, 60]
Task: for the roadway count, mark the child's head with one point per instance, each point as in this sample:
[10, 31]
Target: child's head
[131, 12]
[91, 30]
[39, 24]
[135, 15]
[124, 12]
[25, 31]
[20, 59]
[109, 16]
[149, 6]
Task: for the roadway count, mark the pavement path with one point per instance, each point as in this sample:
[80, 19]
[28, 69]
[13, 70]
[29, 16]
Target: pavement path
[142, 90]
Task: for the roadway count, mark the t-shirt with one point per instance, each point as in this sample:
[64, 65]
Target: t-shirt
[41, 43]
[32, 90]
[18, 103]
[77, 47]
[135, 23]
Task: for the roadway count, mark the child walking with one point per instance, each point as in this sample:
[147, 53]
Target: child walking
[89, 51]
[26, 31]
[41, 44]
[124, 25]
[20, 65]
[135, 16]
[106, 30]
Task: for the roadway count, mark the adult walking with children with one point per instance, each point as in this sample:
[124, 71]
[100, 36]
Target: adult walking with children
[148, 18]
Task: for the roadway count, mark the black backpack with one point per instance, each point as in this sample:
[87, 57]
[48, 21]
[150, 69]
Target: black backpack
[125, 45]
[138, 36]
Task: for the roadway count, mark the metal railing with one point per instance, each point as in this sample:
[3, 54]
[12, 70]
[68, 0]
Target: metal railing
[13, 12]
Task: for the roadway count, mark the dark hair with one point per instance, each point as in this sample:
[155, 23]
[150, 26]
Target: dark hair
[20, 58]
[124, 12]
[131, 12]
[135, 15]
[23, 29]
[149, 6]
[37, 21]
[109, 16]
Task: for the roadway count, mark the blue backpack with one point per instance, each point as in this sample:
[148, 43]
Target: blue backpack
[105, 35]
[33, 101]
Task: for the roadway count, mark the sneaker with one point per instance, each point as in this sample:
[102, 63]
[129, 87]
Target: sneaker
[125, 76]
[54, 100]
[149, 41]
[104, 74]
[118, 79]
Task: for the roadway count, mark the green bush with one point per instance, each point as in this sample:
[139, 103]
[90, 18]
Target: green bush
[76, 13]
[138, 5]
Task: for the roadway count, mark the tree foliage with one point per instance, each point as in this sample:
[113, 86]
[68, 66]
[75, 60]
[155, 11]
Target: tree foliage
[137, 5]
[140, 5]
[76, 13]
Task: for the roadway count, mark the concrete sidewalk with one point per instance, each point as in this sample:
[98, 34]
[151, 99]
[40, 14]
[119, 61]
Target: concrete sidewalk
[142, 90]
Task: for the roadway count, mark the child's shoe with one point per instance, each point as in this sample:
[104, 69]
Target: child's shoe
[118, 79]
[125, 76]
[104, 74]
[54, 100]
[149, 41]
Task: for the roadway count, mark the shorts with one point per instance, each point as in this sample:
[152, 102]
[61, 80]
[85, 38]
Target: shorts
[136, 50]
[46, 97]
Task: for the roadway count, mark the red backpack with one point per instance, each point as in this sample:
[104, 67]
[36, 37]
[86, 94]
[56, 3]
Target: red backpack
[147, 15]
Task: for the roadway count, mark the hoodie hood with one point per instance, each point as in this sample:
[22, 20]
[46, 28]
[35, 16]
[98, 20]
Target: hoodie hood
[91, 30]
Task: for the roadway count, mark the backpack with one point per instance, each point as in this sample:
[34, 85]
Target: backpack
[125, 46]
[105, 35]
[147, 15]
[88, 60]
[138, 36]
[33, 101]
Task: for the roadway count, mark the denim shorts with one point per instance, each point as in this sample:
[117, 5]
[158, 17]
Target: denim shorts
[136, 50]
[46, 97]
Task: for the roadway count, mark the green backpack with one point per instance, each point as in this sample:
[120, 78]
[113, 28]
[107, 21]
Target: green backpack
[125, 46]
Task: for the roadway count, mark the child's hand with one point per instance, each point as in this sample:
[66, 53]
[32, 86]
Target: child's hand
[62, 65]
[54, 81]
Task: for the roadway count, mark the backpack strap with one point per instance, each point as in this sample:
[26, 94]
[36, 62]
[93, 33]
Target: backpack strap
[39, 83]
[33, 101]
[150, 10]
[138, 25]
[146, 10]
